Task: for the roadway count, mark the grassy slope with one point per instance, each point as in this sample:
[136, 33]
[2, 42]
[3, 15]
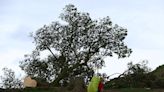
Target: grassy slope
[159, 72]
[111, 90]
[135, 90]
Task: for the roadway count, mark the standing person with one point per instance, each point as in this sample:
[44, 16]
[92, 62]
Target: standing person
[101, 85]
[93, 85]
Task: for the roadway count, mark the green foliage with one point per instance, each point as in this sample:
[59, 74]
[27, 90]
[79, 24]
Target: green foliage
[9, 80]
[76, 47]
[159, 77]
[137, 76]
[159, 72]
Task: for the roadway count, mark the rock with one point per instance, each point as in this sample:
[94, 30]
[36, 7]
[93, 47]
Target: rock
[28, 82]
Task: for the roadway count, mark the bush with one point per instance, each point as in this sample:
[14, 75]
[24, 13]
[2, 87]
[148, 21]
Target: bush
[137, 76]
[9, 80]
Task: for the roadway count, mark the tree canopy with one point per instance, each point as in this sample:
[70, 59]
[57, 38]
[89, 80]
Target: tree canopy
[76, 46]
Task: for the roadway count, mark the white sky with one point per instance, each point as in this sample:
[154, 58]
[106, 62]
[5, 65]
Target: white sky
[143, 19]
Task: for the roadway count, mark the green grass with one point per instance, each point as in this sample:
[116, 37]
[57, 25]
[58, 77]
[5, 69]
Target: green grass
[63, 90]
[135, 90]
[33, 90]
[42, 90]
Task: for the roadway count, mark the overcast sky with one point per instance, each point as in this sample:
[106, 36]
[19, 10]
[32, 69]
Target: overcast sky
[144, 20]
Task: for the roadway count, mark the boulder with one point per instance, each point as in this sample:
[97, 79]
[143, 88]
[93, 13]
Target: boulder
[28, 82]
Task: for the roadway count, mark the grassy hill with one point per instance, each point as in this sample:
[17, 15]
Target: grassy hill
[135, 90]
[159, 72]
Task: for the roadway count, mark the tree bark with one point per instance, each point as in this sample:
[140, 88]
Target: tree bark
[62, 75]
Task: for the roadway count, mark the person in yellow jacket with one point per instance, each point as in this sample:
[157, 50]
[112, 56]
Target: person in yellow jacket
[93, 85]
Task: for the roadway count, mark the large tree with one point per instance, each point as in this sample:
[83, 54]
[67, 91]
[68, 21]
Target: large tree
[76, 46]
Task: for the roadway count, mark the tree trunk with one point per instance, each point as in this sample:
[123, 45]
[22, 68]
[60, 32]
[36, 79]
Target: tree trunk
[56, 82]
[66, 70]
[61, 76]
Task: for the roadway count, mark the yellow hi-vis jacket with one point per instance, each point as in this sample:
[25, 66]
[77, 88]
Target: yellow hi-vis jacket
[93, 85]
